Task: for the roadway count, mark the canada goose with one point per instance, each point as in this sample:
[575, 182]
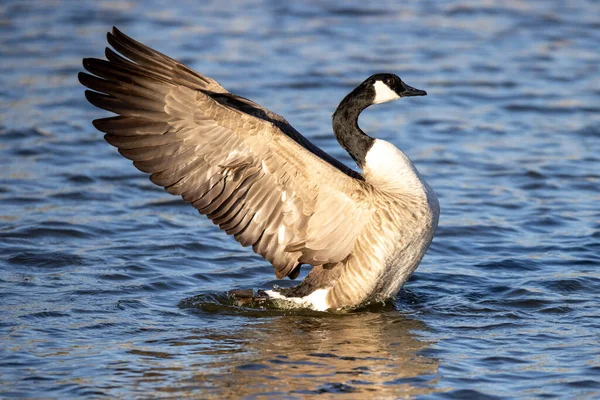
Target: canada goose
[261, 181]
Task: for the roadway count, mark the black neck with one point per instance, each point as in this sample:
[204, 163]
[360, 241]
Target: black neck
[345, 125]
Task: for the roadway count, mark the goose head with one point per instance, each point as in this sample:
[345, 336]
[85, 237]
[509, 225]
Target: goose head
[388, 87]
[376, 89]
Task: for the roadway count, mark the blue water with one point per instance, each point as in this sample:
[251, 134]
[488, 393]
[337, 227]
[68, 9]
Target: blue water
[111, 288]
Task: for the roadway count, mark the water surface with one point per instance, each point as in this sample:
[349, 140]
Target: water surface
[111, 288]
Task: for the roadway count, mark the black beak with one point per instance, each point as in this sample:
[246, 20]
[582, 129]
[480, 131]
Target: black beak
[411, 91]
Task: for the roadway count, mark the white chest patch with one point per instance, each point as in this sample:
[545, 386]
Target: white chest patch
[317, 300]
[389, 168]
[383, 93]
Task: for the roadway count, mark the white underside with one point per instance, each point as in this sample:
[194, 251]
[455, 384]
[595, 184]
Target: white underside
[383, 93]
[317, 300]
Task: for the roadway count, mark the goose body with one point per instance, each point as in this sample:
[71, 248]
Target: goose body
[261, 181]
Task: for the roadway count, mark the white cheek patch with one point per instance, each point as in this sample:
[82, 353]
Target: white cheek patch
[383, 93]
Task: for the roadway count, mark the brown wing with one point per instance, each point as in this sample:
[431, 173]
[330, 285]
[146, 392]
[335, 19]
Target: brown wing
[238, 167]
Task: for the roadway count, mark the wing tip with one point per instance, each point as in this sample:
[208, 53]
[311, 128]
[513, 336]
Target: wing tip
[86, 62]
[293, 274]
[280, 274]
[100, 124]
[90, 81]
[92, 97]
[107, 137]
[82, 77]
[93, 65]
[109, 53]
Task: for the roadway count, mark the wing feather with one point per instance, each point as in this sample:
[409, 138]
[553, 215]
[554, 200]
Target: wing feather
[238, 163]
[151, 59]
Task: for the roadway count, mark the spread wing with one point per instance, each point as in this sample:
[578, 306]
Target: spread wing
[238, 163]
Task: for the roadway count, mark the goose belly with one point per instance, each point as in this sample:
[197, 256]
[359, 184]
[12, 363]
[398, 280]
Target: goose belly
[400, 265]
[385, 255]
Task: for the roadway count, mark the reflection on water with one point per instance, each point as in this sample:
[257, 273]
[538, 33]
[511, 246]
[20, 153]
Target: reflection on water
[296, 354]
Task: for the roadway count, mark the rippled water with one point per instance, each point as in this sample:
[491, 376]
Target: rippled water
[109, 287]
